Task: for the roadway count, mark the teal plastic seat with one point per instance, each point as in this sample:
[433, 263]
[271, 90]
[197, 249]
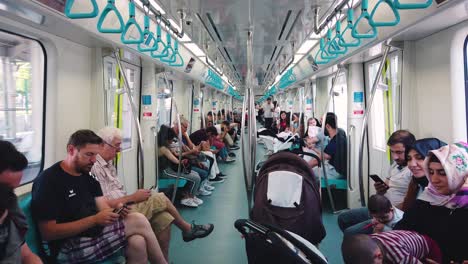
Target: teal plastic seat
[33, 239]
[339, 184]
[93, 13]
[166, 183]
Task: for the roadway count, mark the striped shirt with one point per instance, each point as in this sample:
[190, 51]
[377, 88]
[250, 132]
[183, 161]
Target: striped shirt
[403, 247]
[106, 175]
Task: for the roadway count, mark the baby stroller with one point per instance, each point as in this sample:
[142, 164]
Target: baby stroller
[266, 244]
[287, 195]
[274, 143]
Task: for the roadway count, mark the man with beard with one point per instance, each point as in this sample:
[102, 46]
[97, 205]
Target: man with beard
[394, 188]
[75, 220]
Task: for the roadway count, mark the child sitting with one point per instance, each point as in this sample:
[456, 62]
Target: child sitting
[396, 246]
[384, 214]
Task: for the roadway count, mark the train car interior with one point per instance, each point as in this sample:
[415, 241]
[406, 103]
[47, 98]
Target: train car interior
[264, 131]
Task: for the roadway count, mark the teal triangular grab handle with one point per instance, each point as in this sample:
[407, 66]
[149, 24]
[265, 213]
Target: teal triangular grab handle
[318, 56]
[167, 48]
[165, 51]
[333, 47]
[350, 26]
[426, 4]
[390, 3]
[324, 54]
[176, 50]
[149, 37]
[110, 7]
[132, 22]
[364, 15]
[92, 14]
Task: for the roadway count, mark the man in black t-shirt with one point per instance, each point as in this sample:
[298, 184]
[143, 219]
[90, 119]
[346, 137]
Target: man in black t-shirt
[75, 219]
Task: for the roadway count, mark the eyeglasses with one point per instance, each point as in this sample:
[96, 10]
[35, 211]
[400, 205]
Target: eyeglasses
[112, 146]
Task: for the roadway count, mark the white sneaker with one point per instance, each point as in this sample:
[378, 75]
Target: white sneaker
[204, 192]
[209, 187]
[197, 200]
[189, 202]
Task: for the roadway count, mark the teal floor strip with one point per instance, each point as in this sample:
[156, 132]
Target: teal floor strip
[227, 204]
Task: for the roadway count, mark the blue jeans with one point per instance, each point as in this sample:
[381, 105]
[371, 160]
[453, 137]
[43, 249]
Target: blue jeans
[201, 172]
[353, 221]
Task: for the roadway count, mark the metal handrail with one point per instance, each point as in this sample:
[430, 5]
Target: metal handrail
[179, 137]
[252, 136]
[325, 177]
[136, 120]
[244, 167]
[350, 135]
[154, 129]
[364, 125]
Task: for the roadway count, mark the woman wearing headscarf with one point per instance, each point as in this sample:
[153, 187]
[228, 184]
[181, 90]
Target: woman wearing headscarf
[441, 211]
[415, 155]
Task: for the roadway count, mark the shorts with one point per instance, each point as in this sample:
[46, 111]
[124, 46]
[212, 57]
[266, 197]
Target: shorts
[155, 210]
[94, 249]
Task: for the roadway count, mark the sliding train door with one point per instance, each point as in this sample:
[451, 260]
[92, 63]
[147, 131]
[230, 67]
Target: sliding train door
[118, 113]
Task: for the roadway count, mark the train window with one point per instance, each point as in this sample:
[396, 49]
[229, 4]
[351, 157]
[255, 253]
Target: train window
[339, 103]
[118, 111]
[22, 70]
[382, 112]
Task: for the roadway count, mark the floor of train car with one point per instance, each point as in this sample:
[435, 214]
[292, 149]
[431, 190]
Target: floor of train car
[227, 204]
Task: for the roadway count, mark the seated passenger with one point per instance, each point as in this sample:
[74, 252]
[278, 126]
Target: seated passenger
[157, 208]
[296, 124]
[75, 220]
[396, 185]
[13, 224]
[335, 152]
[415, 155]
[441, 211]
[218, 145]
[169, 163]
[395, 246]
[283, 123]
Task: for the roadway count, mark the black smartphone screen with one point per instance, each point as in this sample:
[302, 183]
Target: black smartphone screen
[376, 178]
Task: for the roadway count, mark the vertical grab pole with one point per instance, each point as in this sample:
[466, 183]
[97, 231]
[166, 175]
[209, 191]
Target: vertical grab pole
[252, 136]
[136, 120]
[325, 176]
[243, 150]
[156, 158]
[364, 125]
[301, 107]
[179, 137]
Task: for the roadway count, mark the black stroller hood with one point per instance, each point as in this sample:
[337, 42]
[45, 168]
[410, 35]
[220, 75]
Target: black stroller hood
[291, 198]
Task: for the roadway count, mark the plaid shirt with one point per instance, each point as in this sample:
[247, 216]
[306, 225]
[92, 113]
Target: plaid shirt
[106, 174]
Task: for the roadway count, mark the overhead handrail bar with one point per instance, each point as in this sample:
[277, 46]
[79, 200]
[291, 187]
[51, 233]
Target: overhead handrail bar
[324, 116]
[165, 21]
[364, 15]
[392, 6]
[136, 120]
[350, 137]
[349, 26]
[336, 10]
[110, 7]
[422, 5]
[364, 125]
[93, 13]
[334, 47]
[154, 129]
[148, 37]
[131, 22]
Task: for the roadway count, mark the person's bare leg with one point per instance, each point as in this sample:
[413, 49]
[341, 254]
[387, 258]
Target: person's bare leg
[136, 250]
[178, 219]
[137, 224]
[164, 237]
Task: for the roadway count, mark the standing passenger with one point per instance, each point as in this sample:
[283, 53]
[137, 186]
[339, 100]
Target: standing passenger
[268, 110]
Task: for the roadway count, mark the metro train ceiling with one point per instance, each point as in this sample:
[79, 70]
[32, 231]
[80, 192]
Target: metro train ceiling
[280, 27]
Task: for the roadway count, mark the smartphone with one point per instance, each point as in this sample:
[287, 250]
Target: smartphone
[119, 210]
[376, 178]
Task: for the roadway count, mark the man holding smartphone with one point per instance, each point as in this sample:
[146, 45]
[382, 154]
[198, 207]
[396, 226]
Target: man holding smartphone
[394, 187]
[157, 208]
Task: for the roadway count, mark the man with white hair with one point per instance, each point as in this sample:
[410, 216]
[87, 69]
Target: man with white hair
[157, 208]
